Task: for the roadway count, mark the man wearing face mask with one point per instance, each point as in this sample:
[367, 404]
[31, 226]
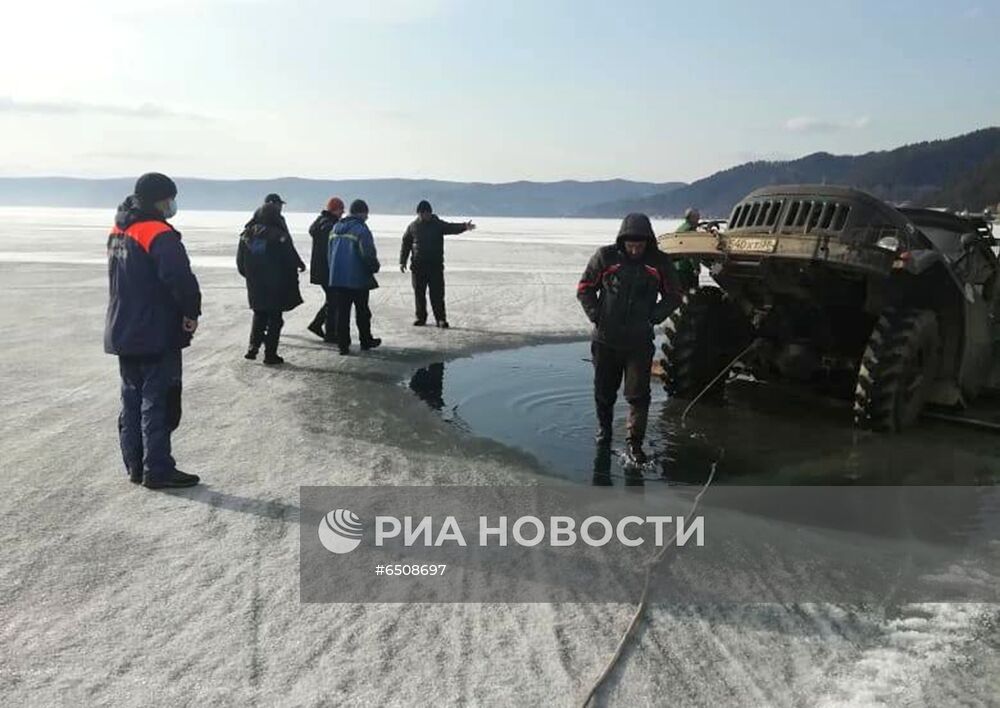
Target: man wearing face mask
[626, 289]
[153, 309]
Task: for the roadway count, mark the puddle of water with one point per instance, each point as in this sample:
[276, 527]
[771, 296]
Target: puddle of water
[540, 400]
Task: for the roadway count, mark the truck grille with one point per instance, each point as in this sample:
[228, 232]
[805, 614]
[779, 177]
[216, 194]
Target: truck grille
[790, 216]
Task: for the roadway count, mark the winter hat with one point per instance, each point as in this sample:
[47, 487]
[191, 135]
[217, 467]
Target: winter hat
[154, 187]
[335, 204]
[358, 206]
[636, 227]
[274, 199]
[424, 207]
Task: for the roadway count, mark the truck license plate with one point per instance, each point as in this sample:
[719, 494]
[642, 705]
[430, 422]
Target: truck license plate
[753, 245]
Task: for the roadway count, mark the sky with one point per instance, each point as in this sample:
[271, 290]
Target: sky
[480, 90]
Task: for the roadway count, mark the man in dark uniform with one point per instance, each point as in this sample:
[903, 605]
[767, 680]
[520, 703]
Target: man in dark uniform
[626, 289]
[319, 264]
[153, 312]
[423, 246]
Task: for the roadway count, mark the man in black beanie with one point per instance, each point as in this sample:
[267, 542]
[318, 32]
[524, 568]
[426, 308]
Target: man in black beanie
[153, 312]
[627, 288]
[423, 247]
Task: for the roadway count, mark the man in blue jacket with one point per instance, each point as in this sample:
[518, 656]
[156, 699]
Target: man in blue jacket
[153, 312]
[353, 264]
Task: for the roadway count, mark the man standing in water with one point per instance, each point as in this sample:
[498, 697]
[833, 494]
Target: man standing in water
[423, 246]
[626, 289]
[153, 312]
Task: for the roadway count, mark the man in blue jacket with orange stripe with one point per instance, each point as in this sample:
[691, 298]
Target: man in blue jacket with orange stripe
[153, 312]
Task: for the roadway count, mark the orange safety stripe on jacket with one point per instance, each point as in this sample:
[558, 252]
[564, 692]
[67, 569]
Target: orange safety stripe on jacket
[143, 232]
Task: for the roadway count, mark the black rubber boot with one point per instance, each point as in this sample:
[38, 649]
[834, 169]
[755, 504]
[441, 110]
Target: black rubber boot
[271, 340]
[605, 417]
[258, 330]
[175, 480]
[316, 326]
[637, 419]
[636, 454]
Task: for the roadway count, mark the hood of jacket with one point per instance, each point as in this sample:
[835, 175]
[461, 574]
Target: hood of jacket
[348, 224]
[322, 224]
[268, 215]
[266, 223]
[129, 212]
[636, 225]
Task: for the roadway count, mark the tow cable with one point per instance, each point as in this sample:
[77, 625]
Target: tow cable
[977, 423]
[658, 556]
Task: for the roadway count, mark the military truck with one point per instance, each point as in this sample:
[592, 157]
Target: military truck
[896, 308]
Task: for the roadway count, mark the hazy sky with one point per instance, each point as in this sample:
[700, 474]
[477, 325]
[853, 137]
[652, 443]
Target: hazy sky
[481, 90]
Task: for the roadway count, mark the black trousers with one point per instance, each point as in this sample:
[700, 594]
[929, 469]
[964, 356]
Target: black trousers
[339, 307]
[266, 330]
[424, 279]
[611, 365]
[322, 315]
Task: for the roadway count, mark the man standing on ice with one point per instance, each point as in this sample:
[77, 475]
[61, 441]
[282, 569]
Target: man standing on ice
[319, 264]
[153, 312]
[626, 289]
[423, 246]
[353, 265]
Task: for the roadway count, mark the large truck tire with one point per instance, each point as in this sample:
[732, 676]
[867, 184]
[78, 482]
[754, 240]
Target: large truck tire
[897, 370]
[702, 336]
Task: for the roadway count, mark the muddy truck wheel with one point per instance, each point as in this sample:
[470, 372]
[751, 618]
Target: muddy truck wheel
[702, 337]
[897, 370]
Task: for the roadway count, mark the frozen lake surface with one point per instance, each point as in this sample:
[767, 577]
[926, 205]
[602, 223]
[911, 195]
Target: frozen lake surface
[30, 234]
[111, 594]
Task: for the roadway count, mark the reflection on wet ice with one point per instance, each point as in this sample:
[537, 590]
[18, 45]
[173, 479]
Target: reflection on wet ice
[428, 384]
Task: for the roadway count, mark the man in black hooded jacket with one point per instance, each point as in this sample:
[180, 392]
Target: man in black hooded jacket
[423, 246]
[626, 289]
[266, 257]
[319, 264]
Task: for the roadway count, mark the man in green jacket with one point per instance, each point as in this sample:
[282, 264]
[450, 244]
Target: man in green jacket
[688, 268]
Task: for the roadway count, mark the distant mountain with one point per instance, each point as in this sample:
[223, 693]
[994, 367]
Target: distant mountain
[977, 189]
[386, 196]
[962, 172]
